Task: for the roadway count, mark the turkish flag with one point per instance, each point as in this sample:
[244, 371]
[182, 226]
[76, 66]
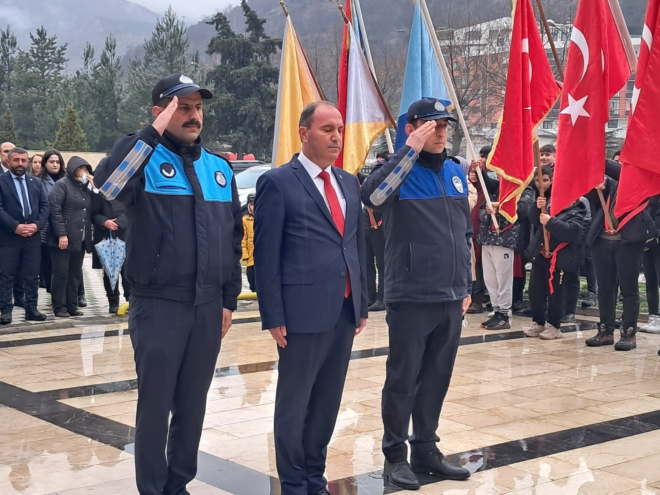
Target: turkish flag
[640, 172]
[531, 92]
[597, 68]
[342, 82]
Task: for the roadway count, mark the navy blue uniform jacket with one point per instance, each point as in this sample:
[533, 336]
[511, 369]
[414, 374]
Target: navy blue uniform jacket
[185, 227]
[300, 258]
[428, 229]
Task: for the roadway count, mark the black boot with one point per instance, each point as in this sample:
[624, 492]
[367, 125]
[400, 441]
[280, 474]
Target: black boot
[435, 463]
[114, 305]
[604, 336]
[400, 475]
[628, 340]
[377, 306]
[475, 308]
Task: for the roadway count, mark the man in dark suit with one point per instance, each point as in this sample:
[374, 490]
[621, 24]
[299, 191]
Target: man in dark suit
[311, 273]
[23, 212]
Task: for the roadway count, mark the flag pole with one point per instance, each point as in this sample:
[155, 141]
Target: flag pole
[623, 33]
[555, 54]
[472, 156]
[539, 177]
[286, 12]
[370, 61]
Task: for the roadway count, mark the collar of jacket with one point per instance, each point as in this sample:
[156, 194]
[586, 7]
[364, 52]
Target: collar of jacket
[433, 161]
[173, 144]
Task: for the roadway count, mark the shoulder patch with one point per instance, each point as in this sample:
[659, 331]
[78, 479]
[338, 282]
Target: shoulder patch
[458, 184]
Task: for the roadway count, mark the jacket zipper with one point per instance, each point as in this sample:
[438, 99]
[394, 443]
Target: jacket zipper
[451, 231]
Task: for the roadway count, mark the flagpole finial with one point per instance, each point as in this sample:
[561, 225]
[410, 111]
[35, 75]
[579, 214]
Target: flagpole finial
[343, 13]
[286, 12]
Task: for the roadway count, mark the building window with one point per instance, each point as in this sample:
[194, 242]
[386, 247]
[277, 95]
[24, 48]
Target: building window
[445, 34]
[614, 107]
[631, 84]
[493, 125]
[613, 124]
[473, 35]
[547, 124]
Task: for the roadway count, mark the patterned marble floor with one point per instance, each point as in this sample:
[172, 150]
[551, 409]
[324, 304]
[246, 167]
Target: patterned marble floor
[526, 416]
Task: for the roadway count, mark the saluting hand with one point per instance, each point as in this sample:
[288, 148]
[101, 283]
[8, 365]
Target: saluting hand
[164, 118]
[279, 334]
[418, 137]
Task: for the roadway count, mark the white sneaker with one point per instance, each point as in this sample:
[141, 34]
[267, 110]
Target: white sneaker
[492, 313]
[654, 321]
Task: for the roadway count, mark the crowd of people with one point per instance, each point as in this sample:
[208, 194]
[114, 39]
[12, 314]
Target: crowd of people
[415, 237]
[51, 215]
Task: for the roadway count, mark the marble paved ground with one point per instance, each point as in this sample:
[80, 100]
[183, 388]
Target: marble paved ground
[526, 416]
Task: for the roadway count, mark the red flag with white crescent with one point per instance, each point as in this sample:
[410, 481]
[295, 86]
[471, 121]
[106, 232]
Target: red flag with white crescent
[531, 92]
[640, 172]
[597, 68]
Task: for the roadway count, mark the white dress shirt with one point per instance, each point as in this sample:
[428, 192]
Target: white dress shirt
[4, 169]
[18, 184]
[314, 171]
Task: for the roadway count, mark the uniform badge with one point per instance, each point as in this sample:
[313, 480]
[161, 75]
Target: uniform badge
[439, 106]
[221, 179]
[167, 170]
[185, 79]
[458, 184]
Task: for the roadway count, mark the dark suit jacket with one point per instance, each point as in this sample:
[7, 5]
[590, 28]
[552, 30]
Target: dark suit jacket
[11, 211]
[300, 257]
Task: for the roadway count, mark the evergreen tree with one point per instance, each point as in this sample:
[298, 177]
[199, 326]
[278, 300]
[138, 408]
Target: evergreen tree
[106, 89]
[70, 136]
[165, 53]
[8, 133]
[242, 113]
[8, 55]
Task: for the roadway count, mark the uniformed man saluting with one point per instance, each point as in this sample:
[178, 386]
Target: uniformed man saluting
[183, 254]
[423, 196]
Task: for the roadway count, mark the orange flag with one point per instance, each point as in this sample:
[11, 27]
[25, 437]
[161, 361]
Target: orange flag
[531, 92]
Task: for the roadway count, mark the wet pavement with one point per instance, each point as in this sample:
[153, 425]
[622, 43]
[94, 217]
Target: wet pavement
[526, 416]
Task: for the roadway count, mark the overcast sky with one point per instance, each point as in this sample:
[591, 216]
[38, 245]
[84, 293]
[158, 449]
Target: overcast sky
[193, 10]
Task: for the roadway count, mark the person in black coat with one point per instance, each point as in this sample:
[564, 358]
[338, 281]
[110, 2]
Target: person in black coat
[71, 225]
[110, 219]
[549, 270]
[23, 213]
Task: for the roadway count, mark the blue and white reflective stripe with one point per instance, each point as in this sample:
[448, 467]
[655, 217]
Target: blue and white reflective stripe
[126, 169]
[394, 180]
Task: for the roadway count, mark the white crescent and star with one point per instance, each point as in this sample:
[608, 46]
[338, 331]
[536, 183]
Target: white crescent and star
[581, 42]
[575, 108]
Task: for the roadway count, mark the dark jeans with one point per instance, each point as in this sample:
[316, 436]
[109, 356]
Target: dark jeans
[571, 292]
[20, 262]
[478, 286]
[252, 282]
[67, 277]
[176, 348]
[652, 274]
[589, 270]
[424, 339]
[46, 272]
[540, 298]
[114, 293]
[375, 245]
[615, 260]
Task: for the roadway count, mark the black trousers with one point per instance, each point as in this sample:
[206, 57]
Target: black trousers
[589, 268]
[479, 286]
[114, 293]
[617, 261]
[176, 348]
[312, 372]
[519, 284]
[571, 292]
[424, 340]
[19, 262]
[651, 266]
[375, 245]
[67, 277]
[252, 281]
[46, 271]
[540, 299]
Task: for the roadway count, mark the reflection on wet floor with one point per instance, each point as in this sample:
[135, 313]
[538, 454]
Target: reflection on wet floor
[526, 416]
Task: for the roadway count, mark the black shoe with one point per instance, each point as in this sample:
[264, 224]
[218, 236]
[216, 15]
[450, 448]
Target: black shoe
[114, 306]
[435, 463]
[500, 321]
[570, 318]
[76, 313]
[484, 324]
[19, 302]
[377, 306]
[590, 301]
[34, 315]
[82, 302]
[475, 308]
[400, 475]
[323, 491]
[628, 340]
[517, 306]
[603, 337]
[5, 319]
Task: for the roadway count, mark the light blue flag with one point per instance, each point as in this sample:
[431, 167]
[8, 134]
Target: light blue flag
[423, 78]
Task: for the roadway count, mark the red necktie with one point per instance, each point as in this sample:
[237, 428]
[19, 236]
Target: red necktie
[337, 216]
